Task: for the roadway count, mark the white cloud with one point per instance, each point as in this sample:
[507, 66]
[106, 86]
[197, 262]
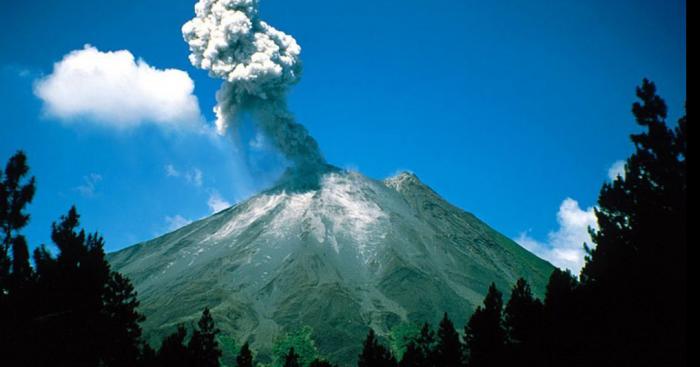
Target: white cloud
[171, 171]
[564, 247]
[114, 89]
[193, 176]
[176, 222]
[217, 203]
[617, 169]
[89, 185]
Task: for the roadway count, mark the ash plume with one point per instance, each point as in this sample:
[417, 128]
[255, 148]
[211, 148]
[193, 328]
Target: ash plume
[258, 64]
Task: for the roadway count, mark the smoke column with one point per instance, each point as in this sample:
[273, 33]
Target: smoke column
[258, 64]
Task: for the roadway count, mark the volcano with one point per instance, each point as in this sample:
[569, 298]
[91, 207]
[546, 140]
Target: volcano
[338, 252]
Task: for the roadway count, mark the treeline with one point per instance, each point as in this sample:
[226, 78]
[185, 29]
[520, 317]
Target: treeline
[525, 331]
[628, 307]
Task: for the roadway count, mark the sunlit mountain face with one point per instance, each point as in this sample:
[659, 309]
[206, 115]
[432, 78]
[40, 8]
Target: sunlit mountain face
[338, 252]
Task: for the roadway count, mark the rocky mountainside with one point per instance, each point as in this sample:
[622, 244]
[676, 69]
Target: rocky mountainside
[339, 256]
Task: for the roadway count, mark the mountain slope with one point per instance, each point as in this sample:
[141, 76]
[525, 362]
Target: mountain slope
[339, 256]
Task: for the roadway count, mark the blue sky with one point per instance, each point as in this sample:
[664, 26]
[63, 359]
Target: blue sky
[507, 109]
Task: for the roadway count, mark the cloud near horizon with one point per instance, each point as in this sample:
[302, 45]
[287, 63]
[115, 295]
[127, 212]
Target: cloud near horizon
[216, 202]
[116, 90]
[564, 247]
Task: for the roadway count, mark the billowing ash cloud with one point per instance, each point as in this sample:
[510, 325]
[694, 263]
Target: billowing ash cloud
[258, 65]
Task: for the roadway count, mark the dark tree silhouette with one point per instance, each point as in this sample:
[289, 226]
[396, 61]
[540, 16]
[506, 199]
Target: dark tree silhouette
[173, 352]
[640, 256]
[16, 191]
[79, 311]
[121, 322]
[245, 356]
[374, 354]
[420, 352]
[562, 339]
[291, 359]
[148, 356]
[448, 348]
[16, 275]
[73, 285]
[523, 321]
[484, 334]
[203, 346]
[412, 356]
[425, 344]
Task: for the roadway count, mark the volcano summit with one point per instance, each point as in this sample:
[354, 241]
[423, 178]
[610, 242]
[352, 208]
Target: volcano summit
[346, 254]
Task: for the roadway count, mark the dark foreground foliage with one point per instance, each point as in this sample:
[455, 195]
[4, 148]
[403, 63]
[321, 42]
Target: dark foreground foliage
[627, 307]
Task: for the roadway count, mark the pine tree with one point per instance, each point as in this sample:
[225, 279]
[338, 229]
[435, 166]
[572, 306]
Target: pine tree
[203, 346]
[17, 298]
[523, 324]
[15, 193]
[562, 339]
[72, 286]
[121, 322]
[420, 352]
[426, 346]
[173, 352]
[374, 354]
[448, 349]
[641, 248]
[484, 334]
[412, 357]
[148, 357]
[87, 314]
[291, 359]
[245, 357]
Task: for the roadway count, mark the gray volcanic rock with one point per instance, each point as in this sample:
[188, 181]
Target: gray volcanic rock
[340, 255]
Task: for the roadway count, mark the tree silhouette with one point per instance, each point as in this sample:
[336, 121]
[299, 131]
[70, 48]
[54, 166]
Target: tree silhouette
[291, 359]
[425, 344]
[148, 356]
[562, 339]
[245, 357]
[448, 348]
[173, 352]
[640, 255]
[73, 285]
[16, 275]
[421, 351]
[79, 311]
[121, 322]
[15, 193]
[412, 357]
[484, 334]
[203, 346]
[374, 354]
[523, 324]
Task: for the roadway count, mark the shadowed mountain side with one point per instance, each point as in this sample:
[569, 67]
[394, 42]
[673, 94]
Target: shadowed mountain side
[348, 253]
